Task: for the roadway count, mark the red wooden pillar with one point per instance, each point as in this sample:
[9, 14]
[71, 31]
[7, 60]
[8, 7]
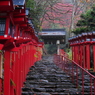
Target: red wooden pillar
[75, 52]
[81, 55]
[28, 54]
[78, 54]
[1, 85]
[88, 56]
[20, 70]
[94, 56]
[36, 53]
[1, 73]
[17, 73]
[12, 72]
[27, 58]
[24, 61]
[33, 58]
[84, 56]
[7, 26]
[7, 73]
[31, 55]
[72, 52]
[23, 64]
[16, 33]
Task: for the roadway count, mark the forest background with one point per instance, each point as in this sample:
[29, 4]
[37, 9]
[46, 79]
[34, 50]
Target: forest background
[59, 14]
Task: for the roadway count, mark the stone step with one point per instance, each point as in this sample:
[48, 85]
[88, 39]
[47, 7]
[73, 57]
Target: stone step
[45, 81]
[51, 85]
[53, 93]
[45, 78]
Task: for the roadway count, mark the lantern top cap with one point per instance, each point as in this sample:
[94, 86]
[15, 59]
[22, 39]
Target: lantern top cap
[84, 34]
[75, 37]
[19, 2]
[70, 39]
[79, 35]
[30, 23]
[89, 33]
[27, 11]
[93, 32]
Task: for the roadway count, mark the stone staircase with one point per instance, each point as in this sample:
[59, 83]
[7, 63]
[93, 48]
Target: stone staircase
[45, 78]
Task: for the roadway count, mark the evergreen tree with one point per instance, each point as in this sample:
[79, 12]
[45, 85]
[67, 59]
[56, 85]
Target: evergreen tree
[86, 23]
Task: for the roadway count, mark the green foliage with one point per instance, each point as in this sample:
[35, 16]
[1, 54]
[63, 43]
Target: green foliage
[42, 11]
[69, 52]
[70, 55]
[31, 4]
[86, 23]
[35, 13]
[79, 30]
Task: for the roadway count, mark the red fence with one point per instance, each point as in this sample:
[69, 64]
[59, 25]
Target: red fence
[83, 80]
[83, 50]
[62, 52]
[20, 48]
[16, 65]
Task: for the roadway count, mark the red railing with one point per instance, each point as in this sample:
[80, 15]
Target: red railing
[14, 66]
[83, 80]
[62, 52]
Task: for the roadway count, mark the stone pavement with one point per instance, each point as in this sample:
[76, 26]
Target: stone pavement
[45, 78]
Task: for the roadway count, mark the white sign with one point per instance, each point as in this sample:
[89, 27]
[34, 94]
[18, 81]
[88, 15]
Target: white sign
[51, 33]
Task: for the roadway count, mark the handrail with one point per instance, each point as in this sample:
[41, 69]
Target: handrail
[80, 67]
[79, 76]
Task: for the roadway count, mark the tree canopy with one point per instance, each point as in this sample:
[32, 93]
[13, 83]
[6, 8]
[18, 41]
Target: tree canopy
[50, 13]
[87, 22]
[56, 13]
[38, 9]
